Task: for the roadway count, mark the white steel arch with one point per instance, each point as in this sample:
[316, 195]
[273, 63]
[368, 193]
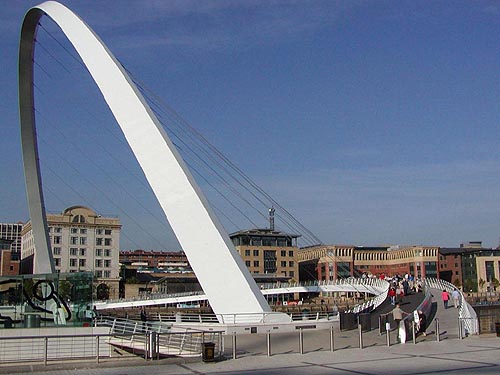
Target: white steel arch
[219, 268]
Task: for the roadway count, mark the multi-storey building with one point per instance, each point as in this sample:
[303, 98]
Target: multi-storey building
[158, 261]
[12, 232]
[471, 266]
[9, 260]
[330, 262]
[81, 240]
[268, 252]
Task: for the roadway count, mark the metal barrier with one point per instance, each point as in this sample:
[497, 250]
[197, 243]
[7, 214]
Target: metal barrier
[159, 338]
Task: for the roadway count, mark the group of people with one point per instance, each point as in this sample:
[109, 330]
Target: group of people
[419, 318]
[455, 297]
[402, 286]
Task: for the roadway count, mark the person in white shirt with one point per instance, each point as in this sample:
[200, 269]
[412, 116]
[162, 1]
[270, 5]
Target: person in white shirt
[455, 296]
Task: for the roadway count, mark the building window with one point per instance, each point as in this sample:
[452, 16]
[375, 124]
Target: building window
[290, 253]
[107, 274]
[98, 273]
[256, 253]
[98, 262]
[83, 231]
[283, 253]
[107, 263]
[270, 261]
[82, 252]
[57, 239]
[283, 263]
[98, 241]
[490, 271]
[107, 242]
[247, 253]
[98, 252]
[58, 230]
[99, 231]
[56, 251]
[292, 274]
[82, 262]
[107, 252]
[73, 241]
[78, 219]
[107, 232]
[291, 264]
[256, 263]
[73, 262]
[83, 240]
[247, 263]
[73, 251]
[74, 230]
[57, 262]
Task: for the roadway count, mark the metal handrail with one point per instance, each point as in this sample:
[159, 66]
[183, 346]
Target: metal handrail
[465, 310]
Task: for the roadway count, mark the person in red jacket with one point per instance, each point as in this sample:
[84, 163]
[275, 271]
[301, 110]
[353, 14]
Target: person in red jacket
[392, 295]
[445, 297]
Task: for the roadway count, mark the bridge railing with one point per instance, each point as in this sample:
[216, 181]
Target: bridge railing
[373, 303]
[466, 312]
[362, 285]
[168, 340]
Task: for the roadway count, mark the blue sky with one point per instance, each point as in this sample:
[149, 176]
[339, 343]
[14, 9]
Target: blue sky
[373, 122]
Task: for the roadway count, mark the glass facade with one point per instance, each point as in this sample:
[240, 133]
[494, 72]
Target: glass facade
[32, 301]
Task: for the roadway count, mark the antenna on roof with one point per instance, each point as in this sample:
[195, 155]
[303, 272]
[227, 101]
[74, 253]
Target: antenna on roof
[271, 218]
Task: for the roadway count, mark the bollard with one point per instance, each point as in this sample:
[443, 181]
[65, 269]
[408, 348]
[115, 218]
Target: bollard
[301, 341]
[97, 349]
[234, 345]
[332, 342]
[438, 335]
[360, 333]
[388, 337]
[268, 337]
[45, 354]
[460, 336]
[413, 332]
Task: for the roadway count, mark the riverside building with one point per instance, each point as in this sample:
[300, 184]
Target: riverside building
[81, 240]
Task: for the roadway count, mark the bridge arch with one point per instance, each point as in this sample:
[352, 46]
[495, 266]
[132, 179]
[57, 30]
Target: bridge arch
[199, 232]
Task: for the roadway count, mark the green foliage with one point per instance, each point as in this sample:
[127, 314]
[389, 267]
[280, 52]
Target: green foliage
[481, 284]
[132, 280]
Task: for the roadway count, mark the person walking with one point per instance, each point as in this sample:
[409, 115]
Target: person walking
[392, 295]
[445, 297]
[455, 296]
[144, 319]
[397, 316]
[422, 323]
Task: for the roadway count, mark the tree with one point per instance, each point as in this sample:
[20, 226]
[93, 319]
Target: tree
[470, 286]
[495, 283]
[457, 283]
[481, 284]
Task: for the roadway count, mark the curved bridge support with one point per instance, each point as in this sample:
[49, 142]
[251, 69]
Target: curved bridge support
[219, 268]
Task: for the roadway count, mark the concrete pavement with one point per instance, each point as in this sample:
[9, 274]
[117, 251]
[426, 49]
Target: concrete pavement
[476, 354]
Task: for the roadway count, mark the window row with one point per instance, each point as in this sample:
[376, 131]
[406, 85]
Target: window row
[74, 230]
[73, 262]
[83, 252]
[257, 252]
[100, 273]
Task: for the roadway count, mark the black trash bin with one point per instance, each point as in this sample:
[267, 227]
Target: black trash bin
[208, 351]
[497, 328]
[365, 321]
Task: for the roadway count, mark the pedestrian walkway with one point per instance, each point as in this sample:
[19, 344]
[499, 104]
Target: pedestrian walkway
[477, 355]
